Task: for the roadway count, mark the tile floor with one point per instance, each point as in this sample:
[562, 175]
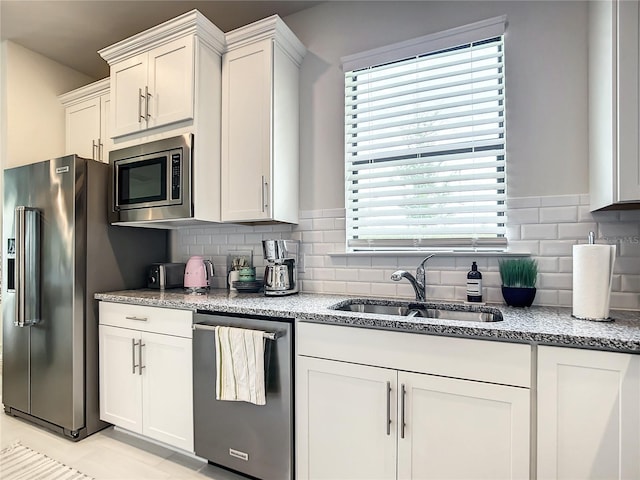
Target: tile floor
[110, 454]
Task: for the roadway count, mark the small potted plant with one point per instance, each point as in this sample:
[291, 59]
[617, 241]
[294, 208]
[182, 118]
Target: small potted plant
[518, 277]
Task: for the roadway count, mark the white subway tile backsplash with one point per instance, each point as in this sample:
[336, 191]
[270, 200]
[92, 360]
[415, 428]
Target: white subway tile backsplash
[555, 281]
[565, 264]
[334, 236]
[371, 275]
[324, 273]
[384, 262]
[347, 275]
[558, 214]
[544, 227]
[388, 290]
[557, 248]
[359, 261]
[559, 200]
[513, 232]
[577, 231]
[547, 264]
[546, 297]
[521, 246]
[539, 231]
[565, 298]
[524, 202]
[524, 215]
[357, 288]
[627, 301]
[629, 265]
[324, 224]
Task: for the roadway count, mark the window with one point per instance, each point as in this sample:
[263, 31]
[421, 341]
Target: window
[425, 142]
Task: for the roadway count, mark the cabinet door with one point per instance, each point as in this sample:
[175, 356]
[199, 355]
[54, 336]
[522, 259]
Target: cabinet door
[462, 429]
[171, 82]
[588, 414]
[83, 128]
[120, 384]
[343, 428]
[105, 128]
[628, 23]
[128, 82]
[246, 132]
[167, 389]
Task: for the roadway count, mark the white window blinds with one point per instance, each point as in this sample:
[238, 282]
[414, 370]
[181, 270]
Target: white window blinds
[425, 144]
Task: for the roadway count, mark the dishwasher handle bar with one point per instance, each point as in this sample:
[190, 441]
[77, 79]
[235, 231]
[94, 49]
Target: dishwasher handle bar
[202, 326]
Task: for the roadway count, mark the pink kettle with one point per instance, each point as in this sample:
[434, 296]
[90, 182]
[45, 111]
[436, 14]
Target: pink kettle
[197, 275]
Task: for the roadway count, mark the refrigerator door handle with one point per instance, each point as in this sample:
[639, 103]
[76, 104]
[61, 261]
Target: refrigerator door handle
[27, 271]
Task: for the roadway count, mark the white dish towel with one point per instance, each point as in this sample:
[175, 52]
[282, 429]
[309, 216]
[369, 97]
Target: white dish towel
[240, 365]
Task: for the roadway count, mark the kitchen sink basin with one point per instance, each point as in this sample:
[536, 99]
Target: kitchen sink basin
[470, 313]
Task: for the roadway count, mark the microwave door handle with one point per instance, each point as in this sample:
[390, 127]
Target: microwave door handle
[27, 271]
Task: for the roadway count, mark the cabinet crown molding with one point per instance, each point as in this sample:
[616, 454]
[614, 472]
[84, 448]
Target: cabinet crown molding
[95, 89]
[190, 23]
[272, 27]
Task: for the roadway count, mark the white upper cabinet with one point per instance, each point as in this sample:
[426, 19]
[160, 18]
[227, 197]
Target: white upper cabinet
[154, 88]
[87, 121]
[156, 75]
[260, 149]
[614, 88]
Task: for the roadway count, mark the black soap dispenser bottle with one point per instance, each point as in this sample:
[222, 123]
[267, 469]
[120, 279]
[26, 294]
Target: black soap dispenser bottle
[474, 284]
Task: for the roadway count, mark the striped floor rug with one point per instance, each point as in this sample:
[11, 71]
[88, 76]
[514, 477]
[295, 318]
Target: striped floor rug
[18, 462]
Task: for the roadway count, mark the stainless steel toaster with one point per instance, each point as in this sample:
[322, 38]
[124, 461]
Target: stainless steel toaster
[165, 275]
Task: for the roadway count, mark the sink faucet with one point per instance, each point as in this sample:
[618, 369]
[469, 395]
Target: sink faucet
[419, 282]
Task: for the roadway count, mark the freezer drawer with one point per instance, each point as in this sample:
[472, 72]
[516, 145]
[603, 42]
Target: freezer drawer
[251, 439]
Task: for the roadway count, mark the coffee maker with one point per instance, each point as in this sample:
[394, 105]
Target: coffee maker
[280, 272]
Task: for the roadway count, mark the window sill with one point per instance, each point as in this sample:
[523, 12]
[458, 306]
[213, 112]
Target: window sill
[423, 253]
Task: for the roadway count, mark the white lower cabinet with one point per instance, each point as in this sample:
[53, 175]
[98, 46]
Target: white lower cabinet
[363, 421]
[588, 414]
[146, 371]
[343, 420]
[462, 429]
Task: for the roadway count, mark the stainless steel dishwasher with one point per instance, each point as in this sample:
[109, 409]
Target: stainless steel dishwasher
[255, 440]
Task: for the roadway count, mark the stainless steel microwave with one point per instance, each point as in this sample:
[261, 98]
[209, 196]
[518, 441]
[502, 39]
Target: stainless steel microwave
[152, 181]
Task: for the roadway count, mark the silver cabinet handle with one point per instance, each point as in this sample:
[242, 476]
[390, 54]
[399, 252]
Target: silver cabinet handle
[388, 422]
[140, 366]
[140, 97]
[147, 96]
[27, 270]
[265, 194]
[139, 319]
[402, 398]
[100, 145]
[93, 150]
[133, 356]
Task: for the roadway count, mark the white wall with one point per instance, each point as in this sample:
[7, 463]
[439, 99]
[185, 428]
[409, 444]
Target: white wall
[31, 116]
[547, 147]
[33, 125]
[546, 68]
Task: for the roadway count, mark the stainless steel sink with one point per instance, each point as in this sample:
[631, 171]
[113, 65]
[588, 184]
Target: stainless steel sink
[461, 312]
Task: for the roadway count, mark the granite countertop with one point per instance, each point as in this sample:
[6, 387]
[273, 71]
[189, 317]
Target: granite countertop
[540, 325]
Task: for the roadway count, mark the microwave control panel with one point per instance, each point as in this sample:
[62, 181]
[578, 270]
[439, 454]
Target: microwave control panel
[175, 176]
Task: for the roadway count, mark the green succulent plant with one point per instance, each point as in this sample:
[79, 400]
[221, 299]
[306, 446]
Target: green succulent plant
[518, 272]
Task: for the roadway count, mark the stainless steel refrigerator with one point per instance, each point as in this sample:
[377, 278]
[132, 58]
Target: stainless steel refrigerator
[58, 250]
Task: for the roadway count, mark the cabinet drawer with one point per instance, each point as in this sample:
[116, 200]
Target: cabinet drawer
[482, 360]
[166, 321]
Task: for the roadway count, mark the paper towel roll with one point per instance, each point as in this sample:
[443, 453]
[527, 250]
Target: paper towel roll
[592, 276]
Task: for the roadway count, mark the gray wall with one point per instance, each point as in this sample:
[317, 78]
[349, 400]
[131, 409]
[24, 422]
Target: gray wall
[546, 68]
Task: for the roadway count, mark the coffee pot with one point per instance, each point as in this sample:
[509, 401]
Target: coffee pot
[280, 273]
[197, 274]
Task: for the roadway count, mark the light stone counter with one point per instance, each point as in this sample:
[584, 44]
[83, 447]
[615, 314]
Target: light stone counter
[539, 325]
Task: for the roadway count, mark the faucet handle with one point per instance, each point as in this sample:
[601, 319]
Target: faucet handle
[425, 260]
